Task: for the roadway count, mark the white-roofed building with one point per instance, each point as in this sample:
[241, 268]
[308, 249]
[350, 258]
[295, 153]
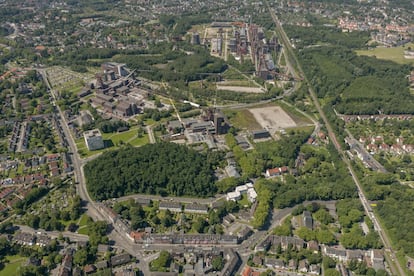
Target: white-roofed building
[233, 196]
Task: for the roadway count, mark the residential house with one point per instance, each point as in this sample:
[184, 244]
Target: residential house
[313, 246]
[232, 263]
[307, 220]
[335, 253]
[172, 206]
[120, 259]
[377, 259]
[244, 233]
[274, 263]
[303, 266]
[292, 265]
[277, 171]
[101, 265]
[314, 269]
[257, 260]
[196, 208]
[89, 269]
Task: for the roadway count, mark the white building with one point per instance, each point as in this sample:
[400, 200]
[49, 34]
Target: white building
[93, 139]
[251, 195]
[243, 189]
[233, 196]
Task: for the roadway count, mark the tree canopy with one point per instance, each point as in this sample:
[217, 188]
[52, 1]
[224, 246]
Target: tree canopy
[164, 168]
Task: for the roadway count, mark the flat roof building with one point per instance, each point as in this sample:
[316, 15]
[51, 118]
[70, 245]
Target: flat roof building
[93, 139]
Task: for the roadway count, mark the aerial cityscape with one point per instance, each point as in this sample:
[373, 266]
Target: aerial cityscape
[188, 137]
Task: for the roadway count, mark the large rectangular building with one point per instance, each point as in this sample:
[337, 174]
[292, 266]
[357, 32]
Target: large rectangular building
[93, 139]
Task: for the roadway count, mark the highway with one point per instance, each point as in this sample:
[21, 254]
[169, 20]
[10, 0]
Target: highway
[368, 210]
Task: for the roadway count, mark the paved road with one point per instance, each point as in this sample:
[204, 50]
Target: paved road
[120, 238]
[332, 136]
[54, 234]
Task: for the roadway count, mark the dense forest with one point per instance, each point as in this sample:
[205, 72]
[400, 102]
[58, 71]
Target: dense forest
[164, 168]
[352, 84]
[394, 206]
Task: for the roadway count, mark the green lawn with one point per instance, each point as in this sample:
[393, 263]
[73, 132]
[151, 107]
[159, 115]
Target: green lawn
[242, 119]
[83, 231]
[12, 267]
[394, 54]
[83, 220]
[115, 139]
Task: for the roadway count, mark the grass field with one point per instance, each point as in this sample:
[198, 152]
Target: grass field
[12, 267]
[395, 54]
[113, 140]
[298, 117]
[242, 119]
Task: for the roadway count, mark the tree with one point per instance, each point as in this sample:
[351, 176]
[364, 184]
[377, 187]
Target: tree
[218, 263]
[81, 257]
[163, 261]
[325, 237]
[305, 233]
[323, 216]
[199, 225]
[328, 262]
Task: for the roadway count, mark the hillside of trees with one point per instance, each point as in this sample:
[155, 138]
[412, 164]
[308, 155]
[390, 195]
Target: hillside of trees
[164, 168]
[352, 84]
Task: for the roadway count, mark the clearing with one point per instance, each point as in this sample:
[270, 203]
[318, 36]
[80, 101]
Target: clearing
[273, 118]
[395, 54]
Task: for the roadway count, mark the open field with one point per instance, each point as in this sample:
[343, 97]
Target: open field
[272, 118]
[395, 54]
[12, 268]
[242, 119]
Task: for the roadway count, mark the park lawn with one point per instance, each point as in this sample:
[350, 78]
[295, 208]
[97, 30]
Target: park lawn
[395, 54]
[116, 138]
[137, 142]
[12, 268]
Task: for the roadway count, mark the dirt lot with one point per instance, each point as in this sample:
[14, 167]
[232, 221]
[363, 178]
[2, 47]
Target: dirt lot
[241, 89]
[272, 118]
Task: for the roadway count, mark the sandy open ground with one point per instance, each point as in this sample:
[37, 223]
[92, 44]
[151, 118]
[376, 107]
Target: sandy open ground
[242, 89]
[272, 118]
